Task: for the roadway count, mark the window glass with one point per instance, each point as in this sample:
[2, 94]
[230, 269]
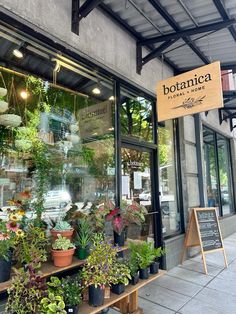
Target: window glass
[76, 134]
[136, 117]
[225, 174]
[216, 147]
[168, 192]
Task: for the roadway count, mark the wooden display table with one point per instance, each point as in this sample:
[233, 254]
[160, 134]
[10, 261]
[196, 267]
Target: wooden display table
[126, 302]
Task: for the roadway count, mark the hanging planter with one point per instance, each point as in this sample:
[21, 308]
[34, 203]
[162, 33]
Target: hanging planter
[3, 106]
[10, 120]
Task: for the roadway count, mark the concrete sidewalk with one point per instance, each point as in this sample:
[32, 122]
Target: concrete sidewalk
[186, 289]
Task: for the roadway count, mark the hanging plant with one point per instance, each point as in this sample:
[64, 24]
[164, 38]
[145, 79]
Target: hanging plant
[3, 93]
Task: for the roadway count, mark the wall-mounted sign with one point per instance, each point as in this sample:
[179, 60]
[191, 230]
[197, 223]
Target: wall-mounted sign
[194, 91]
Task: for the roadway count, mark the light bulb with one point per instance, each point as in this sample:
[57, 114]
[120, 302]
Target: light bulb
[96, 91]
[17, 53]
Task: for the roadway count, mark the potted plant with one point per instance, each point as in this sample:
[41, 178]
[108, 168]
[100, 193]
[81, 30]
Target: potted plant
[98, 270]
[133, 264]
[6, 245]
[145, 256]
[100, 210]
[52, 304]
[26, 292]
[154, 266]
[120, 277]
[63, 228]
[62, 251]
[83, 238]
[72, 293]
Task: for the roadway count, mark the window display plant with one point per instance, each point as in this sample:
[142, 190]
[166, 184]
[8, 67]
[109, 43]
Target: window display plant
[62, 251]
[63, 228]
[26, 292]
[83, 238]
[100, 209]
[120, 277]
[72, 293]
[98, 270]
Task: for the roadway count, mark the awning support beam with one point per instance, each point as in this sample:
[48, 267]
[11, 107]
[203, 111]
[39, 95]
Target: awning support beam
[80, 12]
[141, 61]
[189, 32]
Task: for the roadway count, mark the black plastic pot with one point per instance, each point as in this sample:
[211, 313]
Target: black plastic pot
[96, 296]
[5, 269]
[118, 288]
[119, 239]
[154, 268]
[72, 309]
[134, 280]
[143, 273]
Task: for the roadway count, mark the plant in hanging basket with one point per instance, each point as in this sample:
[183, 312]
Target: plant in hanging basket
[10, 120]
[3, 91]
[3, 106]
[62, 251]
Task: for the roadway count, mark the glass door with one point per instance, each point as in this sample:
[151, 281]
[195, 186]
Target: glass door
[137, 186]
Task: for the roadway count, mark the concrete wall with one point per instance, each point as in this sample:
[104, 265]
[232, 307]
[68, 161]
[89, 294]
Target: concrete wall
[100, 40]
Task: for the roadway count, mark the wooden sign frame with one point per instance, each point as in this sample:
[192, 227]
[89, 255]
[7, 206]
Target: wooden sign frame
[193, 236]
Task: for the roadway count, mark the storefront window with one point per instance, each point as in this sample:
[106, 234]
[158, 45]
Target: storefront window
[217, 171]
[136, 117]
[168, 192]
[64, 140]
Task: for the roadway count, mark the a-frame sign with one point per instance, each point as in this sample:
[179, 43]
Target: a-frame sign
[204, 231]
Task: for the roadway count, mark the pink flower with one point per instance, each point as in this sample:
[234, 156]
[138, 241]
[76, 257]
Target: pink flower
[12, 226]
[4, 236]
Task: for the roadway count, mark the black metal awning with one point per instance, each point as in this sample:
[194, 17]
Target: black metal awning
[229, 110]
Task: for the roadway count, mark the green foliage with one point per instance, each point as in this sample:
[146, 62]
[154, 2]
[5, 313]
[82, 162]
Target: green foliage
[52, 304]
[62, 225]
[62, 244]
[120, 273]
[26, 292]
[7, 241]
[84, 233]
[98, 270]
[54, 285]
[32, 247]
[144, 253]
[72, 290]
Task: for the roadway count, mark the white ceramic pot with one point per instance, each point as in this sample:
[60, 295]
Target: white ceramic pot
[3, 106]
[10, 120]
[74, 128]
[73, 138]
[23, 144]
[3, 91]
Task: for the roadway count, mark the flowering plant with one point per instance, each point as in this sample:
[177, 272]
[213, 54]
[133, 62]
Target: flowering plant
[129, 213]
[10, 231]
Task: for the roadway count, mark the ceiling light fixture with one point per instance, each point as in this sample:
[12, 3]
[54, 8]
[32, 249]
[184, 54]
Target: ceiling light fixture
[112, 98]
[17, 52]
[96, 91]
[24, 94]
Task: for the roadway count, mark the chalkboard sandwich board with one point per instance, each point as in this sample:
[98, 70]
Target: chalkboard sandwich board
[204, 231]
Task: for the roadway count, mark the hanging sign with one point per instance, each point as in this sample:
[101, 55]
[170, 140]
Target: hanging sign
[204, 231]
[192, 92]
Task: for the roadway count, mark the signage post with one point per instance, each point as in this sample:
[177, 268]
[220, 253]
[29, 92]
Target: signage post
[204, 231]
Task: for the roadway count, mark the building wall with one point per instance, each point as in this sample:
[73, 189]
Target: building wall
[100, 39]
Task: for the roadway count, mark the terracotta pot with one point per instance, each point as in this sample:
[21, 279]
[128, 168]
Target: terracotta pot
[66, 233]
[62, 258]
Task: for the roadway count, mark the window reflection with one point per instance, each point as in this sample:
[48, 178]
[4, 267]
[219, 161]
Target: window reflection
[78, 133]
[168, 193]
[136, 117]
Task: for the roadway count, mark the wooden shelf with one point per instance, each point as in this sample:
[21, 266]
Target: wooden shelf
[49, 269]
[85, 308]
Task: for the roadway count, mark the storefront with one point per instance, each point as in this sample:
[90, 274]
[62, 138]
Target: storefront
[98, 118]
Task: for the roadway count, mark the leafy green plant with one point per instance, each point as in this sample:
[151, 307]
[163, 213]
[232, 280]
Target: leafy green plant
[62, 225]
[98, 270]
[7, 241]
[84, 233]
[26, 292]
[72, 290]
[52, 304]
[62, 244]
[120, 273]
[32, 246]
[54, 285]
[133, 260]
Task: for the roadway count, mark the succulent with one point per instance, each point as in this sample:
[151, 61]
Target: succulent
[62, 244]
[62, 226]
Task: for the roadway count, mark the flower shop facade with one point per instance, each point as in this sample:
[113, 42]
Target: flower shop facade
[81, 95]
